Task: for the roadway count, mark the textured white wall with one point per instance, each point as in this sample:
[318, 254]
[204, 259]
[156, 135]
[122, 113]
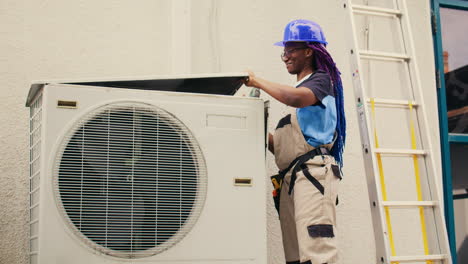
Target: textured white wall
[98, 39]
[13, 135]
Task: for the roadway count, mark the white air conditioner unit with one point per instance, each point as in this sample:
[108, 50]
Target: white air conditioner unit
[123, 172]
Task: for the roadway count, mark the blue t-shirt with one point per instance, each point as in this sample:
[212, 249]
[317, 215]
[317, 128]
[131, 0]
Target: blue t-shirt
[318, 121]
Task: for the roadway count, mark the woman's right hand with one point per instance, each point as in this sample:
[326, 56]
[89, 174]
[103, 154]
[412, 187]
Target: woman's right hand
[250, 80]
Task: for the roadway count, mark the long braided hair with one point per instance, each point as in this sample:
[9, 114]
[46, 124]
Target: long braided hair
[322, 60]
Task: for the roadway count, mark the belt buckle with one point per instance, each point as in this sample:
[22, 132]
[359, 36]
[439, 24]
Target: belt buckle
[323, 151]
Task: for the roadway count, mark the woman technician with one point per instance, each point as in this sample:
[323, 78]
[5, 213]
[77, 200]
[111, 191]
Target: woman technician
[308, 144]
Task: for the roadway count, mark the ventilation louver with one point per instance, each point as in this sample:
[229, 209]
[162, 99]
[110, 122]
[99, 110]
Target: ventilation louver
[130, 179]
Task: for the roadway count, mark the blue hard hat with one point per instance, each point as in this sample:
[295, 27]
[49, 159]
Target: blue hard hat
[302, 30]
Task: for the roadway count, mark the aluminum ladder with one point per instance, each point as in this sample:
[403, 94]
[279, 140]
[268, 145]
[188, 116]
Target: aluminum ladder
[408, 220]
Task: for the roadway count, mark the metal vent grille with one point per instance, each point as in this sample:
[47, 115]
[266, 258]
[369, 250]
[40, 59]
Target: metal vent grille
[35, 124]
[130, 179]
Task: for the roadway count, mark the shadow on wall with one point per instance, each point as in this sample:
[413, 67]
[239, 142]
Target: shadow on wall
[462, 254]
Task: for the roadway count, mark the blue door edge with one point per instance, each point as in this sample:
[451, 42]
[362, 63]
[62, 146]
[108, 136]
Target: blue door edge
[443, 119]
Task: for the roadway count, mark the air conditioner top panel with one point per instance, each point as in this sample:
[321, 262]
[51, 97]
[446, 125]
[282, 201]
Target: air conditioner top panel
[218, 83]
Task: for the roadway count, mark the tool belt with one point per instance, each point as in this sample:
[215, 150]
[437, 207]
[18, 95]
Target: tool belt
[295, 165]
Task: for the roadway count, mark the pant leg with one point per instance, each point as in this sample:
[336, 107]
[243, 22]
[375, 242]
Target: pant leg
[288, 223]
[315, 211]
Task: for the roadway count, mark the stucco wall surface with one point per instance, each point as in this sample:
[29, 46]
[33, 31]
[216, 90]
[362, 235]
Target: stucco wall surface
[82, 39]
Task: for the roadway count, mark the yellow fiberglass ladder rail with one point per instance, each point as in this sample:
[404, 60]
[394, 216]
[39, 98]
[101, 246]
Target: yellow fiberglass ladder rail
[394, 129]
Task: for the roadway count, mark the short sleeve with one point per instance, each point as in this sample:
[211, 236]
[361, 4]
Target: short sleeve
[320, 84]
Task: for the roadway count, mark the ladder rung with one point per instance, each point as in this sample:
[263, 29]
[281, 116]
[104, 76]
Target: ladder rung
[409, 203]
[379, 55]
[400, 151]
[417, 258]
[391, 102]
[376, 11]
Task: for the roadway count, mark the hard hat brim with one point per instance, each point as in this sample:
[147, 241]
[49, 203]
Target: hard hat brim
[279, 43]
[282, 43]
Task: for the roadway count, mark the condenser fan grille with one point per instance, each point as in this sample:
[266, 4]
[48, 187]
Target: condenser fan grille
[130, 179]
